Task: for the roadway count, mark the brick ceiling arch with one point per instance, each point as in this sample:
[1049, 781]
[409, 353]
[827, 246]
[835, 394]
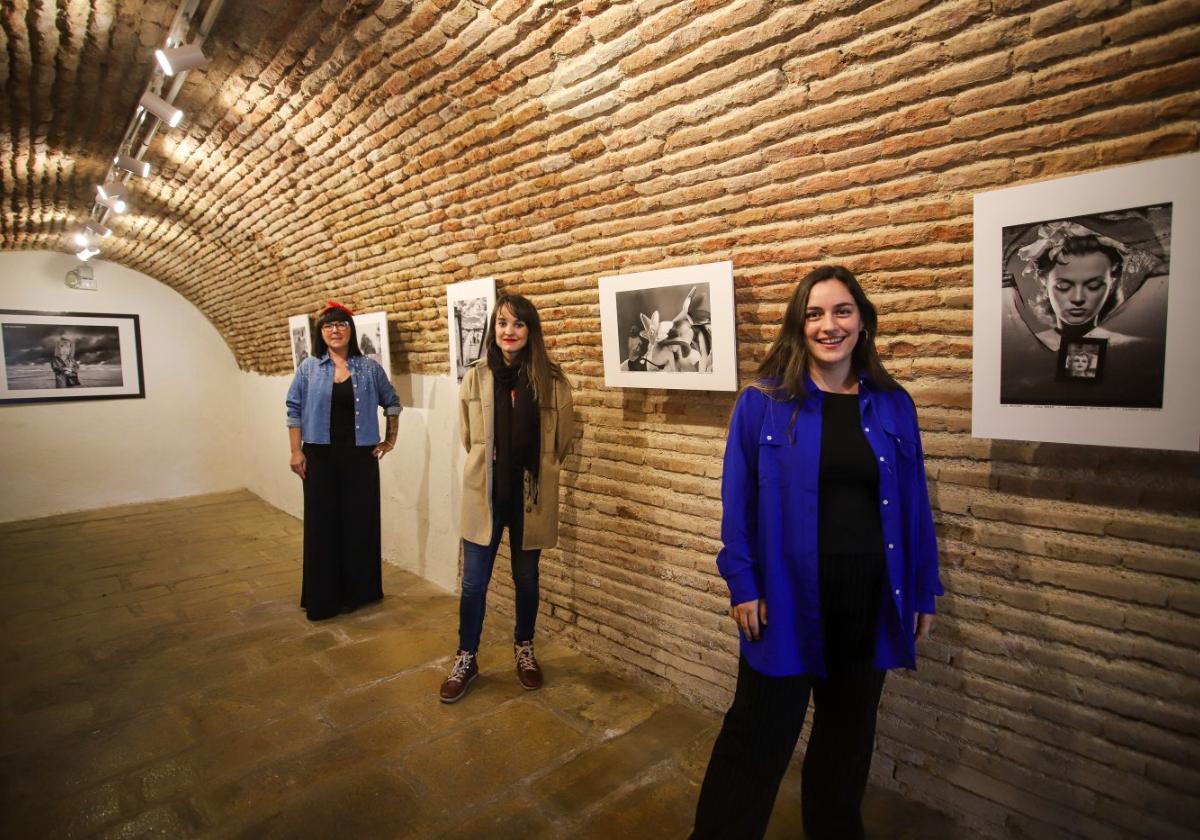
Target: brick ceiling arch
[377, 150]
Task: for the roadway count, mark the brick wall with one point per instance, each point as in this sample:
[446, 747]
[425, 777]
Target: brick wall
[380, 150]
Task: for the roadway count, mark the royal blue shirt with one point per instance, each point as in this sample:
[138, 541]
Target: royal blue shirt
[769, 525]
[308, 399]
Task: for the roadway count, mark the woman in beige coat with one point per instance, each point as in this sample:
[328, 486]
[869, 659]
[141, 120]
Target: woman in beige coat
[516, 422]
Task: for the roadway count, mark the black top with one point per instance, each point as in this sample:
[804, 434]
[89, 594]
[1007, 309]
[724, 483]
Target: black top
[848, 492]
[341, 414]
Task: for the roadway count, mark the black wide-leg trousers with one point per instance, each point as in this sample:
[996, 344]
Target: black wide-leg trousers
[761, 728]
[342, 554]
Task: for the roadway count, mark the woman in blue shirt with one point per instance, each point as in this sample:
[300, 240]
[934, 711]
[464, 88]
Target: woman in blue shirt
[831, 561]
[333, 424]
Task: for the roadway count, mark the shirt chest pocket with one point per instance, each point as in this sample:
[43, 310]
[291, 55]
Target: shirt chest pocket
[773, 457]
[900, 444]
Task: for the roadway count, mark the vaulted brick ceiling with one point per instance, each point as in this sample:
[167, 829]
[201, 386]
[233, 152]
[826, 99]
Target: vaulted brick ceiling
[377, 150]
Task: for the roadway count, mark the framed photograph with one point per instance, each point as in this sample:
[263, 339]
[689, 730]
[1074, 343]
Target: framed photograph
[300, 338]
[373, 338]
[468, 308]
[56, 356]
[1081, 333]
[672, 328]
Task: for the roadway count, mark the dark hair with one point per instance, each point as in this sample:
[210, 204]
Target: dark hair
[1078, 246]
[328, 315]
[781, 374]
[541, 370]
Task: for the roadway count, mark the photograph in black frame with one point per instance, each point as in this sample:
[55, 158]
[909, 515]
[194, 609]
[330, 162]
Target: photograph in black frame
[69, 356]
[1099, 280]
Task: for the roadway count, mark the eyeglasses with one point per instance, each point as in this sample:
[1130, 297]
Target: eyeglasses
[336, 325]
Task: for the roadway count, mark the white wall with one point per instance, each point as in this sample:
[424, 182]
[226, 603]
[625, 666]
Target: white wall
[419, 481]
[205, 426]
[178, 441]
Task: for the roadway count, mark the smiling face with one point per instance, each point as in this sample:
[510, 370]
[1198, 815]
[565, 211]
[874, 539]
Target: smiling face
[1079, 363]
[832, 323]
[1078, 287]
[512, 334]
[336, 335]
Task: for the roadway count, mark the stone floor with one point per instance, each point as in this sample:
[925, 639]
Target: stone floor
[159, 679]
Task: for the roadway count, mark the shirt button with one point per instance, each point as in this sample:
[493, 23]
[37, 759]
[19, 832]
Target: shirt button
[768, 437]
[866, 428]
[881, 458]
[897, 591]
[885, 501]
[890, 546]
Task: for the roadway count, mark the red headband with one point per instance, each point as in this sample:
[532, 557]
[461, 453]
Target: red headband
[333, 304]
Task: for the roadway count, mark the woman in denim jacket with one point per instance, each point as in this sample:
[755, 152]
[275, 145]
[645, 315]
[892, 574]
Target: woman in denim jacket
[828, 536]
[333, 424]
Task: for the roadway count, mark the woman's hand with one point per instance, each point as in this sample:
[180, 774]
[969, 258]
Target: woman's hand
[750, 616]
[382, 448]
[922, 624]
[299, 464]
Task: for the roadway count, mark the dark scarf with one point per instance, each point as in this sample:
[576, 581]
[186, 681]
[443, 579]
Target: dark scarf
[517, 433]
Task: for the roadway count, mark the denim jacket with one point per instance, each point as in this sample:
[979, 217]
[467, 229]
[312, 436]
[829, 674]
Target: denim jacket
[769, 492]
[308, 399]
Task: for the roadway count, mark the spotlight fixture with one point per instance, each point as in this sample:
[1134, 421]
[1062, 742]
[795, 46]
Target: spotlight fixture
[83, 240]
[110, 190]
[132, 164]
[162, 109]
[87, 253]
[98, 230]
[177, 59]
[117, 205]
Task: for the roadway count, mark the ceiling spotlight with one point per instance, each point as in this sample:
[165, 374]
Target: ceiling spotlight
[162, 109]
[82, 240]
[117, 205]
[132, 164]
[98, 230]
[177, 59]
[110, 190]
[87, 253]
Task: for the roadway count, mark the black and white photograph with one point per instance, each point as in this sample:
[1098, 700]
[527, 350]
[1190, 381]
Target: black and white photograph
[469, 307]
[672, 328]
[470, 324]
[373, 337]
[1102, 277]
[666, 329]
[1074, 305]
[300, 337]
[54, 356]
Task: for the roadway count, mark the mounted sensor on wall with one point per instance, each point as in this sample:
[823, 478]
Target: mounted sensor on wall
[178, 59]
[132, 164]
[162, 109]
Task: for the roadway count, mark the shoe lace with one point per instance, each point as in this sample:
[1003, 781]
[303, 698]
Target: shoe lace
[461, 665]
[525, 659]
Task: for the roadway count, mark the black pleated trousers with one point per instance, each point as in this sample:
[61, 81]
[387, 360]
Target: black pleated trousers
[761, 728]
[342, 554]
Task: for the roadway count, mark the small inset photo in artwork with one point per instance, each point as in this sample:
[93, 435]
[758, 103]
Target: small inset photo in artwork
[1082, 360]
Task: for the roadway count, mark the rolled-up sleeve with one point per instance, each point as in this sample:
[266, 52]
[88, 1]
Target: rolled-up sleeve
[387, 394]
[295, 398]
[739, 501]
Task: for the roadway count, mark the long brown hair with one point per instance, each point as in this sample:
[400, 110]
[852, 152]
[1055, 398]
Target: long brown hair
[781, 374]
[540, 368]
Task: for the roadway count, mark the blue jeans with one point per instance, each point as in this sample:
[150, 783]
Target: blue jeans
[478, 561]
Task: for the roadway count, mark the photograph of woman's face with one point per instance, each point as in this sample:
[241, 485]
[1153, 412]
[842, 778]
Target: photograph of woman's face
[1078, 286]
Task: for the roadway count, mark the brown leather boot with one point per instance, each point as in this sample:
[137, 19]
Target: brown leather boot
[464, 672]
[528, 671]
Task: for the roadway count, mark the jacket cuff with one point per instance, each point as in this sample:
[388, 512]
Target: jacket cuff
[392, 411]
[293, 423]
[926, 602]
[743, 587]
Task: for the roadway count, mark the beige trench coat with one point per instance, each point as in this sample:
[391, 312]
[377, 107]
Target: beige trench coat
[475, 425]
